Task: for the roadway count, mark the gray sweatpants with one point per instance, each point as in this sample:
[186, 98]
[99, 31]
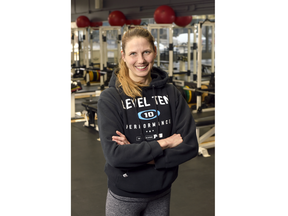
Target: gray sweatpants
[128, 206]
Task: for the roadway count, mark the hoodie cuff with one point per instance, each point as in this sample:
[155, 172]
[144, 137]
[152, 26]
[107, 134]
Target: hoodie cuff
[156, 149]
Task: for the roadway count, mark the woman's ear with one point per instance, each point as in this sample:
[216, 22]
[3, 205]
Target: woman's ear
[155, 48]
[123, 55]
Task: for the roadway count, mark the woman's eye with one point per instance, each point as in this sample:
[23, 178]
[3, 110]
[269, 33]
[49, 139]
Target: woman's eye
[133, 53]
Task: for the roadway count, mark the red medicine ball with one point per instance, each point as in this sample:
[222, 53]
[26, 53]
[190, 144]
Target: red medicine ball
[183, 20]
[136, 21]
[82, 22]
[116, 18]
[96, 24]
[164, 15]
[133, 22]
[129, 22]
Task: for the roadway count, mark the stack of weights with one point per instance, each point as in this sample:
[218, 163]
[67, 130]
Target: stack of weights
[190, 96]
[94, 76]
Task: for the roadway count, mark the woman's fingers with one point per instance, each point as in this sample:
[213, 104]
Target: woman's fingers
[123, 137]
[121, 140]
[120, 134]
[116, 138]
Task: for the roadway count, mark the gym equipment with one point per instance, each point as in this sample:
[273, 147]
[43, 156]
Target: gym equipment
[133, 22]
[170, 37]
[136, 21]
[129, 22]
[103, 33]
[207, 140]
[83, 92]
[182, 59]
[94, 53]
[189, 92]
[94, 75]
[87, 54]
[204, 117]
[200, 91]
[116, 18]
[96, 24]
[105, 69]
[164, 15]
[82, 57]
[189, 74]
[170, 29]
[190, 95]
[75, 85]
[74, 55]
[91, 112]
[78, 74]
[163, 64]
[82, 22]
[183, 21]
[80, 52]
[199, 69]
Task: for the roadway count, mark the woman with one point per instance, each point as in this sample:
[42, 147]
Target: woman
[146, 131]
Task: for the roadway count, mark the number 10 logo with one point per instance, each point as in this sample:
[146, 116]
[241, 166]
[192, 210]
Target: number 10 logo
[148, 114]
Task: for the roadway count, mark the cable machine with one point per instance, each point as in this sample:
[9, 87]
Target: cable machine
[103, 30]
[199, 69]
[182, 63]
[170, 36]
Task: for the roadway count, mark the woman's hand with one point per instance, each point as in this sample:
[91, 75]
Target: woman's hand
[170, 142]
[151, 162]
[121, 139]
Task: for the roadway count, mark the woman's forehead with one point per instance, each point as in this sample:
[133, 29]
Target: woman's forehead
[138, 42]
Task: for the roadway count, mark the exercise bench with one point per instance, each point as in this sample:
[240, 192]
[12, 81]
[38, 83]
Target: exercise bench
[206, 140]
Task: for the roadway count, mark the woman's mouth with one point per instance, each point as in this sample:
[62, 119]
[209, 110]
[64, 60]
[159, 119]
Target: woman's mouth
[141, 67]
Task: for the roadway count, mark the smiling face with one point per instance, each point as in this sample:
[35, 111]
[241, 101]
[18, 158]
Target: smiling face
[139, 56]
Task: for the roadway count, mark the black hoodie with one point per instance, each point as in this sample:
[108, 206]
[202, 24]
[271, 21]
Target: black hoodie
[161, 112]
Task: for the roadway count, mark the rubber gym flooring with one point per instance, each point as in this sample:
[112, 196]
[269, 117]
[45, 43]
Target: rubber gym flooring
[193, 192]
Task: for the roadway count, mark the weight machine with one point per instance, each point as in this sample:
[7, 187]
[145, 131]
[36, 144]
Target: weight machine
[199, 66]
[170, 36]
[182, 63]
[77, 69]
[104, 68]
[210, 123]
[207, 118]
[78, 65]
[170, 69]
[103, 43]
[86, 57]
[81, 64]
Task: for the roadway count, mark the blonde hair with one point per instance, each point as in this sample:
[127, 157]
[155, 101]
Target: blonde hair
[131, 88]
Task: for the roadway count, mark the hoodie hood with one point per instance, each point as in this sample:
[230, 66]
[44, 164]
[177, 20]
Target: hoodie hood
[159, 78]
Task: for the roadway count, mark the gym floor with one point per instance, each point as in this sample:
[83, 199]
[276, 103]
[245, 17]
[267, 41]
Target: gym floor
[193, 192]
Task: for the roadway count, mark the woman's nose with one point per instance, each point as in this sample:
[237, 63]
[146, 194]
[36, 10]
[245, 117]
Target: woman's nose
[141, 59]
